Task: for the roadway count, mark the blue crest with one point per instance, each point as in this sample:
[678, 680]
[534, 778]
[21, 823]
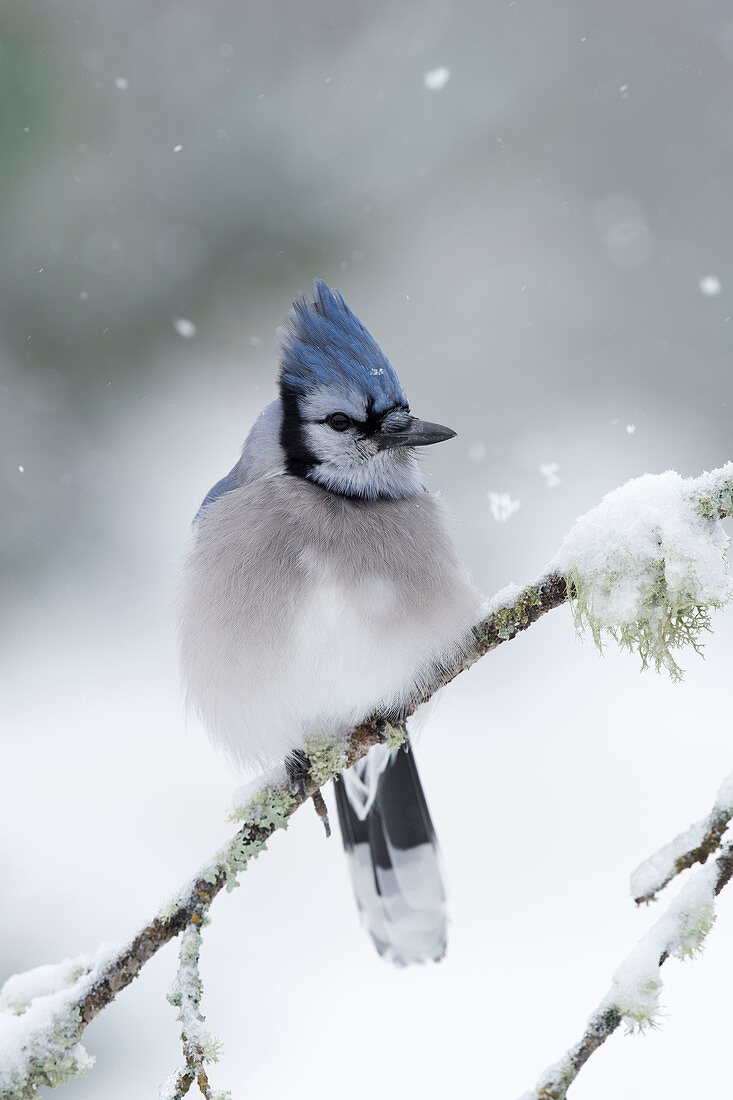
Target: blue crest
[325, 343]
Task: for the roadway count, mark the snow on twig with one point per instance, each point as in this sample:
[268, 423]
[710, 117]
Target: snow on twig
[634, 995]
[199, 1048]
[646, 566]
[692, 846]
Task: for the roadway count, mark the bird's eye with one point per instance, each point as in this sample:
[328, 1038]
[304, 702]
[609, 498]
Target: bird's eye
[339, 422]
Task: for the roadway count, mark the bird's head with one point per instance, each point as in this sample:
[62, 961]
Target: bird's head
[346, 421]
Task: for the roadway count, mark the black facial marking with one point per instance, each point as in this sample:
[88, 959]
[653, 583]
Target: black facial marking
[372, 422]
[370, 425]
[299, 459]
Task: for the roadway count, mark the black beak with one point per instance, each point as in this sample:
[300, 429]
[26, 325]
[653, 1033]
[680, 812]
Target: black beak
[418, 433]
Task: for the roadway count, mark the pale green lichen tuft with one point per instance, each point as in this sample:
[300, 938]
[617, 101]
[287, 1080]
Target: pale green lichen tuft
[647, 566]
[510, 620]
[667, 618]
[40, 1027]
[212, 1049]
[640, 1012]
[716, 502]
[708, 505]
[52, 1056]
[326, 756]
[168, 910]
[266, 811]
[694, 931]
[394, 736]
[237, 855]
[267, 808]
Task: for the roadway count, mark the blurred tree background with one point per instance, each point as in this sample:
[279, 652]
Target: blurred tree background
[527, 241]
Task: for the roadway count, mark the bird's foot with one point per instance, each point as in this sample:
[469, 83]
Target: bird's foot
[322, 810]
[297, 766]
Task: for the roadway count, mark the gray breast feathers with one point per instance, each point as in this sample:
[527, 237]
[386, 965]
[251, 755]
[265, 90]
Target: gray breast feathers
[303, 611]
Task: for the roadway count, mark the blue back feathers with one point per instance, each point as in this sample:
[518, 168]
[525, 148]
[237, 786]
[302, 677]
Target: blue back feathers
[325, 343]
[224, 485]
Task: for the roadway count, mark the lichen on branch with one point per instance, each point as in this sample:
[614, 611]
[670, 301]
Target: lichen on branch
[40, 1027]
[647, 565]
[199, 1047]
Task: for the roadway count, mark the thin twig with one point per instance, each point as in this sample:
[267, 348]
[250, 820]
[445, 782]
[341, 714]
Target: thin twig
[186, 994]
[557, 1079]
[695, 845]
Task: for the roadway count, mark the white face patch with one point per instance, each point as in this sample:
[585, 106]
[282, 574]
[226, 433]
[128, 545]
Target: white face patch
[350, 462]
[330, 399]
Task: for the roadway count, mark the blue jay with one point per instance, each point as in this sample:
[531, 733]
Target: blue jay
[323, 587]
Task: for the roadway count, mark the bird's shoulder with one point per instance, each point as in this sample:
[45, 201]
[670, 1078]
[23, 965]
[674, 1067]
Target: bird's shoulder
[261, 457]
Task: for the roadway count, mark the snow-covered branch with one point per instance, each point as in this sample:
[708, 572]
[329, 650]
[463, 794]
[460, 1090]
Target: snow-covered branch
[634, 995]
[647, 565]
[644, 568]
[693, 846]
[199, 1048]
[44, 1012]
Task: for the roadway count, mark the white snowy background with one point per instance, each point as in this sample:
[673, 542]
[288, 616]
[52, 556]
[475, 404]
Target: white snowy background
[529, 205]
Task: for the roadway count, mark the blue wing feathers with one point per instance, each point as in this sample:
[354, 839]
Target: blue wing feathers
[224, 485]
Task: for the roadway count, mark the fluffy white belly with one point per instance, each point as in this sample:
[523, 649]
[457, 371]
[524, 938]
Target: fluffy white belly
[341, 657]
[351, 655]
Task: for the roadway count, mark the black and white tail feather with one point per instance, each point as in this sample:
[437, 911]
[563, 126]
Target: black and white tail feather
[393, 856]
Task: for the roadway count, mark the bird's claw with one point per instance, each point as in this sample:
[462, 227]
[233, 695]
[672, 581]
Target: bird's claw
[297, 766]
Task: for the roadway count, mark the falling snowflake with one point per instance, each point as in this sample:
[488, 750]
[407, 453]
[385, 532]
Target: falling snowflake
[550, 472]
[710, 286]
[121, 83]
[184, 327]
[502, 506]
[630, 429]
[436, 79]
